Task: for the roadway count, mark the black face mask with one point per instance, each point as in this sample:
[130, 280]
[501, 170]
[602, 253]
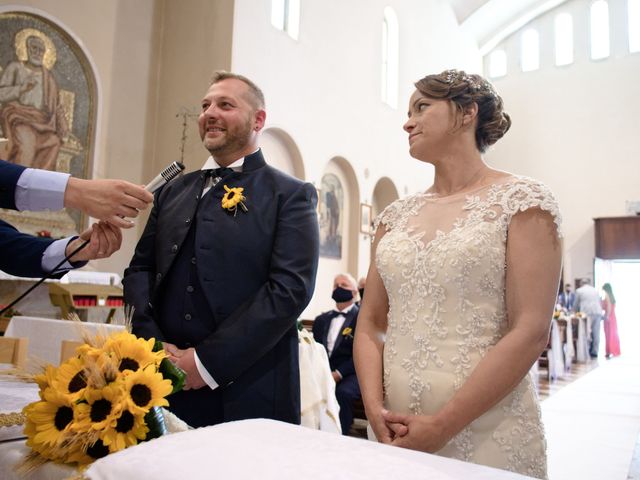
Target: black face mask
[341, 295]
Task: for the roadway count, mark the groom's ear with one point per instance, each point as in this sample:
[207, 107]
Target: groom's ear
[259, 119]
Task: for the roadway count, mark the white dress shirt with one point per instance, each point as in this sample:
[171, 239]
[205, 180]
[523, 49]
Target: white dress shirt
[38, 190]
[335, 327]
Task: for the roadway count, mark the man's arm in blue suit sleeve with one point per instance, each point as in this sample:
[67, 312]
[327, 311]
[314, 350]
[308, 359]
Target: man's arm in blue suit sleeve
[260, 323]
[21, 253]
[9, 175]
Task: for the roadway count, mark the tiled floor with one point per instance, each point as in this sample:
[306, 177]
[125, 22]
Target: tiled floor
[546, 388]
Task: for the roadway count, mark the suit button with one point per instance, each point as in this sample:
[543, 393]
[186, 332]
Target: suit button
[158, 277]
[193, 260]
[174, 249]
[190, 289]
[188, 220]
[187, 316]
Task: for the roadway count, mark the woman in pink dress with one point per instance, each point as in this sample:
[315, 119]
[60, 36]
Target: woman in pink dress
[610, 322]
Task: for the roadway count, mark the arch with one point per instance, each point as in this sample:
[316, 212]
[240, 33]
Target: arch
[72, 99]
[384, 193]
[349, 230]
[281, 151]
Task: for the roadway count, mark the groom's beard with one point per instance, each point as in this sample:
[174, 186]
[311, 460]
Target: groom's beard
[235, 139]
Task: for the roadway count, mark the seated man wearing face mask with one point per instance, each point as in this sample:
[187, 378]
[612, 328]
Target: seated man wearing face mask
[335, 330]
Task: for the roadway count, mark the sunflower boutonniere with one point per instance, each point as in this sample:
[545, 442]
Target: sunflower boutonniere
[232, 198]
[347, 332]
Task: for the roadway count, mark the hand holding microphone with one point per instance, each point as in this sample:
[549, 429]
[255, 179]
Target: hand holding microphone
[114, 201]
[109, 201]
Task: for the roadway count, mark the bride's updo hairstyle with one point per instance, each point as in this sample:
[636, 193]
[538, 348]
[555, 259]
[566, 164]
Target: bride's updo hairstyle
[463, 90]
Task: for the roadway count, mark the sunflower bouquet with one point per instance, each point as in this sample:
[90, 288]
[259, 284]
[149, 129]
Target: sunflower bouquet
[104, 399]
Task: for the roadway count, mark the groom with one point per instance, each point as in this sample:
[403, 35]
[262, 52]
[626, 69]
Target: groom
[221, 275]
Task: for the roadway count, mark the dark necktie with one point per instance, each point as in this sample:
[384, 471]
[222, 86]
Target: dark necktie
[220, 172]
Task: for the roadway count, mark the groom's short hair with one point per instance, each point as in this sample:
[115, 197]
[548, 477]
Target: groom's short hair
[256, 96]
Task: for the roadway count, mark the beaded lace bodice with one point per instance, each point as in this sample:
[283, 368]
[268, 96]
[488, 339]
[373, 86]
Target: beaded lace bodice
[442, 262]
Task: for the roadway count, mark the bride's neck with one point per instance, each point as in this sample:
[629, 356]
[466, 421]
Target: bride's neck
[454, 175]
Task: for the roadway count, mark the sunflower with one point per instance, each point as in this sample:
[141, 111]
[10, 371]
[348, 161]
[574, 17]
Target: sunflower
[132, 353]
[102, 407]
[125, 431]
[71, 378]
[145, 389]
[233, 198]
[50, 418]
[45, 379]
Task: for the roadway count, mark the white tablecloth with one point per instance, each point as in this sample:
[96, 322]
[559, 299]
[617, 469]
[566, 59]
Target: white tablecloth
[269, 450]
[46, 334]
[14, 395]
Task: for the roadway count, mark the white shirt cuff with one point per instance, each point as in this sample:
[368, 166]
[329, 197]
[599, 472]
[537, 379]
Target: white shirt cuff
[208, 379]
[40, 190]
[54, 254]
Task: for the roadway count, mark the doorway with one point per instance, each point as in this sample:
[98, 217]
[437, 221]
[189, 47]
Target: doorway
[624, 277]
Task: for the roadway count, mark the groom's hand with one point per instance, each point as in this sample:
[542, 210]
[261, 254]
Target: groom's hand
[184, 359]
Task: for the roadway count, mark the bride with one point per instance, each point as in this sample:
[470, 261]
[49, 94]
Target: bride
[461, 291]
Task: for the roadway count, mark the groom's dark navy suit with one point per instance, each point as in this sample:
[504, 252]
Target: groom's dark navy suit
[21, 254]
[231, 286]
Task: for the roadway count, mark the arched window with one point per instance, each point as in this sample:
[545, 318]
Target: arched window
[599, 23]
[497, 63]
[633, 17]
[530, 52]
[390, 47]
[285, 16]
[564, 38]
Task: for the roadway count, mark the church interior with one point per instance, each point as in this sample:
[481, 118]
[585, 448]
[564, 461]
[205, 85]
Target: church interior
[337, 77]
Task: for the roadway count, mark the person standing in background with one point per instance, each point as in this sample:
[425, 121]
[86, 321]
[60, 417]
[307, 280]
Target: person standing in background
[567, 298]
[588, 302]
[612, 340]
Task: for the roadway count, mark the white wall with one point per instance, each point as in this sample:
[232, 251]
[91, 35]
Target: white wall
[323, 90]
[574, 128]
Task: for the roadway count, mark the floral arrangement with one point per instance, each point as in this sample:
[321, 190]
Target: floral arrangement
[234, 198]
[104, 399]
[347, 332]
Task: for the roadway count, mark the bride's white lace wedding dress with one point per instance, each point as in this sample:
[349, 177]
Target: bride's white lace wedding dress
[442, 261]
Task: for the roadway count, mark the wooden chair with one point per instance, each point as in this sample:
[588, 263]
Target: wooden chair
[68, 349]
[14, 351]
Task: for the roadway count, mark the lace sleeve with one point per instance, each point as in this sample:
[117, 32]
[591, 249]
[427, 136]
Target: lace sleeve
[526, 193]
[389, 217]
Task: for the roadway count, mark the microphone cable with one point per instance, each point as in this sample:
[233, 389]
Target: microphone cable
[46, 277]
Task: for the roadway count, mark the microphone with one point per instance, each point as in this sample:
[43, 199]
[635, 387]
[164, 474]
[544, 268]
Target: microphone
[165, 176]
